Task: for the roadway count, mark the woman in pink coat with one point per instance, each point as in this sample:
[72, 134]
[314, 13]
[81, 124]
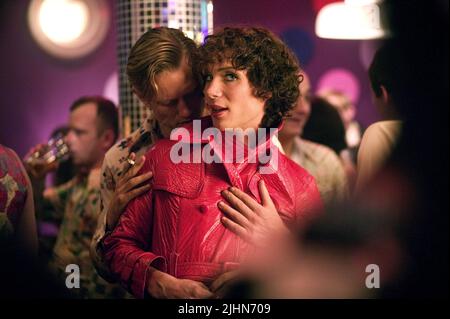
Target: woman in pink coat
[170, 242]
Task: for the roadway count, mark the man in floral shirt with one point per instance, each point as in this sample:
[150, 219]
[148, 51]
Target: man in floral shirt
[165, 56]
[93, 128]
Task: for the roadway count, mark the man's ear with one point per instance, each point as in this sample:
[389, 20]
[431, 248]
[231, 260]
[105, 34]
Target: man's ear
[386, 98]
[107, 139]
[141, 98]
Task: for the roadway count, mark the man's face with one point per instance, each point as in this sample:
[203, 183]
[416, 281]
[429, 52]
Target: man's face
[383, 104]
[294, 124]
[82, 138]
[178, 98]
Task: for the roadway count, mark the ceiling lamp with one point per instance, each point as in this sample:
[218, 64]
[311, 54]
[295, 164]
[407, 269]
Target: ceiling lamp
[68, 28]
[351, 20]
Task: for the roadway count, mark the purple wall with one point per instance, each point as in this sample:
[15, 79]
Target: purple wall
[37, 90]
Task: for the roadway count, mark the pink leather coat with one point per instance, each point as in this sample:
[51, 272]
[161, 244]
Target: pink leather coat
[176, 228]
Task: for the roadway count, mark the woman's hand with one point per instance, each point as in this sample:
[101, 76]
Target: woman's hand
[250, 220]
[128, 187]
[164, 286]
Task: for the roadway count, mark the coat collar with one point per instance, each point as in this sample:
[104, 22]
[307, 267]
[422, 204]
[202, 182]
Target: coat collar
[233, 154]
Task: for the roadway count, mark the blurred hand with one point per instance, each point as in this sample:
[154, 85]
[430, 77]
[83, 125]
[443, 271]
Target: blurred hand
[128, 186]
[38, 167]
[221, 284]
[164, 286]
[250, 220]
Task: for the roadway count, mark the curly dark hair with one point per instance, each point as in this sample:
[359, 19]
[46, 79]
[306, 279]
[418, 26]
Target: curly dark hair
[272, 69]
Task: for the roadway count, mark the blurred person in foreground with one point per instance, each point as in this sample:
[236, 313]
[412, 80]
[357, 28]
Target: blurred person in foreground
[17, 216]
[22, 275]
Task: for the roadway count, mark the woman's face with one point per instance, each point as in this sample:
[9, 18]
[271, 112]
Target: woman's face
[230, 100]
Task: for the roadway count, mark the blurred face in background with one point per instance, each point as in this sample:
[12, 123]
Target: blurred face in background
[85, 143]
[344, 106]
[294, 124]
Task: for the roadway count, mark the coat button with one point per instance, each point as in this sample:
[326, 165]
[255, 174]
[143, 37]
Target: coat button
[203, 209]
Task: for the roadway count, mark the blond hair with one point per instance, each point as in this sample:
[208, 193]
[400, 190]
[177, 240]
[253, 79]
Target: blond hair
[157, 50]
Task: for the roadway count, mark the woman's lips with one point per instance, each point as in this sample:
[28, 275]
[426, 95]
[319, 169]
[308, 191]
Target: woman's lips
[218, 111]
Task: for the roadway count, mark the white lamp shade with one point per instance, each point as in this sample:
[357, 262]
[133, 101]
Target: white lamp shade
[68, 29]
[349, 21]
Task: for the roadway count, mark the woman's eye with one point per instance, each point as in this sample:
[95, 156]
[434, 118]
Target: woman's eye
[208, 78]
[230, 77]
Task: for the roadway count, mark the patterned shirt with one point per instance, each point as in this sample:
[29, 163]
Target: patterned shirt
[79, 202]
[13, 192]
[115, 165]
[326, 167]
